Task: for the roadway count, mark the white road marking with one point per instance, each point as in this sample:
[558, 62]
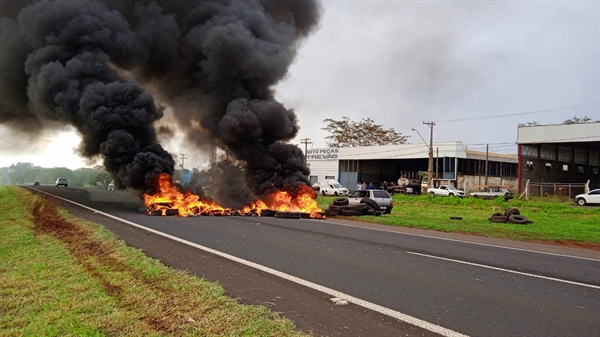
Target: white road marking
[506, 270]
[365, 304]
[456, 240]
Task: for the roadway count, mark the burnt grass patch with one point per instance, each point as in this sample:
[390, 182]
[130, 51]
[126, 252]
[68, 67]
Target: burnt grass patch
[101, 262]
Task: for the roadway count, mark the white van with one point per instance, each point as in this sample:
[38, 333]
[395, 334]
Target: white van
[332, 187]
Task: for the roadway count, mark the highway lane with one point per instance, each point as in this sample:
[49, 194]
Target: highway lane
[477, 289]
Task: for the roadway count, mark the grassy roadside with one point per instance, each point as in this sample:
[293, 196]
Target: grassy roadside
[555, 221]
[60, 276]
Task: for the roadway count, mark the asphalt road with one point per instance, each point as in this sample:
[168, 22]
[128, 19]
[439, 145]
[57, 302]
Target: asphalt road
[459, 284]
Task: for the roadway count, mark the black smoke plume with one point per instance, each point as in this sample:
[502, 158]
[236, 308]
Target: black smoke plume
[213, 62]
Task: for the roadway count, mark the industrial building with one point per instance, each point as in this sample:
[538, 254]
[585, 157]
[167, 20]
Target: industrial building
[464, 168]
[559, 154]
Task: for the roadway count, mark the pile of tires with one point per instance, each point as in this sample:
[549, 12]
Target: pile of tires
[342, 207]
[510, 215]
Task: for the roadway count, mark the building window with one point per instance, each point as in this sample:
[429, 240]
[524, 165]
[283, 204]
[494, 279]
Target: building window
[566, 168]
[329, 177]
[565, 154]
[547, 153]
[509, 170]
[580, 169]
[529, 151]
[313, 179]
[595, 170]
[548, 166]
[494, 169]
[580, 157]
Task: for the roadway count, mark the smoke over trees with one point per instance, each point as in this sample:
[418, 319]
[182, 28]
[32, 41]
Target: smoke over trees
[213, 62]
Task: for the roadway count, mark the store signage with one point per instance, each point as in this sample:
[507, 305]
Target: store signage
[321, 154]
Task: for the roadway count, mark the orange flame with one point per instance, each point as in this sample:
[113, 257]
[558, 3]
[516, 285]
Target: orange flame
[168, 197]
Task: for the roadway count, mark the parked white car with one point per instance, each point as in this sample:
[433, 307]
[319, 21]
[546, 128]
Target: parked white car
[332, 187]
[592, 197]
[381, 197]
[446, 191]
[493, 192]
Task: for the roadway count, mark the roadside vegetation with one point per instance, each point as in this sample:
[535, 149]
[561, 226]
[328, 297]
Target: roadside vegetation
[555, 221]
[60, 276]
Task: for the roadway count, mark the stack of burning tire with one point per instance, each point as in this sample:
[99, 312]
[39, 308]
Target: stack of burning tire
[341, 206]
[511, 215]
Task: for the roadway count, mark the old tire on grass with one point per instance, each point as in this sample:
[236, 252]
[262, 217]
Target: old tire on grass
[340, 201]
[329, 212]
[518, 219]
[498, 218]
[512, 210]
[372, 203]
[371, 211]
[337, 208]
[358, 207]
[456, 218]
[348, 212]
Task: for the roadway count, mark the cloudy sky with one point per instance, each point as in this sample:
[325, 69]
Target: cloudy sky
[460, 64]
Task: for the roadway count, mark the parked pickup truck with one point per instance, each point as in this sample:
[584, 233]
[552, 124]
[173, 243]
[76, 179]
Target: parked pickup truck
[446, 191]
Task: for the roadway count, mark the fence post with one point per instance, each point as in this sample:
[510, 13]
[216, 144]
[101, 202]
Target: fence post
[527, 190]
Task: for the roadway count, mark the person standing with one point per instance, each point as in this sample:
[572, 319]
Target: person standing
[371, 186]
[358, 186]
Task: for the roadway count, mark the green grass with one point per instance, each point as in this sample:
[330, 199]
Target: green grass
[554, 221]
[60, 276]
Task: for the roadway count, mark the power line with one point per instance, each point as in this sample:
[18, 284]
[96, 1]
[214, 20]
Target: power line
[517, 114]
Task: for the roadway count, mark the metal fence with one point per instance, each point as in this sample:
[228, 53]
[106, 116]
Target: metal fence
[546, 190]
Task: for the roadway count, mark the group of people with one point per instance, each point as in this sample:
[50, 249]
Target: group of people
[390, 187]
[364, 186]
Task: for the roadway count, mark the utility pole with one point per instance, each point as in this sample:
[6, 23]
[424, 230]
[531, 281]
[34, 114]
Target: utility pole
[487, 151]
[305, 141]
[430, 165]
[182, 156]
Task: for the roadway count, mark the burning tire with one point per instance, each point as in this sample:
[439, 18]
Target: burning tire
[171, 212]
[340, 201]
[288, 215]
[267, 212]
[156, 212]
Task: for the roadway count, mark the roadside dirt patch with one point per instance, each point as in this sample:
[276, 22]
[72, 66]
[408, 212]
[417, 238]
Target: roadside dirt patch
[94, 256]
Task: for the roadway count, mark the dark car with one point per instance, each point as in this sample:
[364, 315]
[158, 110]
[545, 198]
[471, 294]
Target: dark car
[36, 183]
[62, 182]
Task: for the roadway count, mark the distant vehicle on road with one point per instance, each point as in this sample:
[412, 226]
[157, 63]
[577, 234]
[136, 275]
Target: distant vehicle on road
[62, 182]
[36, 183]
[493, 192]
[592, 197]
[446, 191]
